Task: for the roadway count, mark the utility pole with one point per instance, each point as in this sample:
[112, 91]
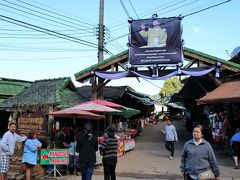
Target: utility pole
[101, 32]
[97, 87]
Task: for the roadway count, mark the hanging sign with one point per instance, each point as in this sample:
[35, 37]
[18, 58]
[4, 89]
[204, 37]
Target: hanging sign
[155, 41]
[54, 156]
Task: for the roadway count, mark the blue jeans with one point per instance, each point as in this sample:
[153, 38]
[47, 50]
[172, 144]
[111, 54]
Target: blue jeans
[73, 163]
[87, 170]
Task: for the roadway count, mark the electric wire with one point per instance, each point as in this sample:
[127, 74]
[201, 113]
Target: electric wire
[36, 35]
[206, 8]
[180, 7]
[72, 15]
[46, 31]
[37, 20]
[125, 9]
[76, 20]
[38, 15]
[39, 49]
[173, 9]
[151, 83]
[184, 16]
[47, 59]
[115, 43]
[163, 7]
[206, 4]
[133, 9]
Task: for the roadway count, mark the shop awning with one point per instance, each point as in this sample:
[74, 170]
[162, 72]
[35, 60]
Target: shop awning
[129, 112]
[175, 105]
[107, 103]
[76, 114]
[228, 92]
[126, 112]
[93, 107]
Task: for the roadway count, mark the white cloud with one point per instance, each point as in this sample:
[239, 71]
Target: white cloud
[196, 29]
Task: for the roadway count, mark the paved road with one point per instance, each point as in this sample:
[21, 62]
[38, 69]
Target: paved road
[150, 160]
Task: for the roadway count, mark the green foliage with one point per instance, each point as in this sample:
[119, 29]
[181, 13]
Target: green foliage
[170, 87]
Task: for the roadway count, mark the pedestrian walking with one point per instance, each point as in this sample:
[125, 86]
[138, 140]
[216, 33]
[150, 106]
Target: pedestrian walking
[7, 146]
[235, 143]
[109, 151]
[198, 160]
[170, 137]
[31, 147]
[87, 146]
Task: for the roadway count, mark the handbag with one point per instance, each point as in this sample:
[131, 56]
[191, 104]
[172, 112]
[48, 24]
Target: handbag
[208, 174]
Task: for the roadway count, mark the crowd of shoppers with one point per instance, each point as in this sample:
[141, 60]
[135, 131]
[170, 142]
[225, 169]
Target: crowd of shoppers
[198, 158]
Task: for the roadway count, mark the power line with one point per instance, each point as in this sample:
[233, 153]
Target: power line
[199, 6]
[152, 83]
[133, 9]
[46, 31]
[40, 16]
[183, 16]
[37, 20]
[42, 59]
[57, 14]
[37, 35]
[40, 49]
[164, 6]
[42, 22]
[168, 5]
[173, 9]
[207, 8]
[26, 30]
[62, 12]
[125, 9]
[180, 6]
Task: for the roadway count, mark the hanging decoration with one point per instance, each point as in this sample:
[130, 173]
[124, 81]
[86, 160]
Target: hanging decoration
[191, 72]
[111, 76]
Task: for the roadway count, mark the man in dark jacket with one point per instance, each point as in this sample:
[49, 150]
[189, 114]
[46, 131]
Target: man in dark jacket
[109, 151]
[87, 147]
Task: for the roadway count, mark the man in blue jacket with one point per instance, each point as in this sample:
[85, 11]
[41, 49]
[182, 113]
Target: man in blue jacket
[170, 137]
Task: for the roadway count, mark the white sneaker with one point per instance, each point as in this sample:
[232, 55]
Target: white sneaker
[170, 157]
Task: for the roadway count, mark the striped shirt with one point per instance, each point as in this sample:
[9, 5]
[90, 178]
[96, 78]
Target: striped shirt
[109, 150]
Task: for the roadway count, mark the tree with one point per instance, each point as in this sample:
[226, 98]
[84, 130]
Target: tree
[170, 87]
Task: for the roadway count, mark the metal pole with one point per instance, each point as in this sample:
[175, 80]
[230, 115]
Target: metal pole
[74, 146]
[54, 171]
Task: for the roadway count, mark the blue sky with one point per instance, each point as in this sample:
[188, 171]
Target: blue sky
[30, 55]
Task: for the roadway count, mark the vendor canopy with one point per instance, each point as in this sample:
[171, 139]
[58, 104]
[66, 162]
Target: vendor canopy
[126, 112]
[107, 103]
[129, 112]
[94, 107]
[228, 92]
[76, 113]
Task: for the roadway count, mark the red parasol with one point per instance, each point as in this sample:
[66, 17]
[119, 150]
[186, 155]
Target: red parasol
[76, 114]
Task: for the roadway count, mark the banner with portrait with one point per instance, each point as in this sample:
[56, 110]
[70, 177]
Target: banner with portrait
[155, 41]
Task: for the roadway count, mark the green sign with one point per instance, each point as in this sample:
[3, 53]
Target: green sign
[54, 156]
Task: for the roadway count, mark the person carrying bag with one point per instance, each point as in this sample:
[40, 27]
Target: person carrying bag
[198, 160]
